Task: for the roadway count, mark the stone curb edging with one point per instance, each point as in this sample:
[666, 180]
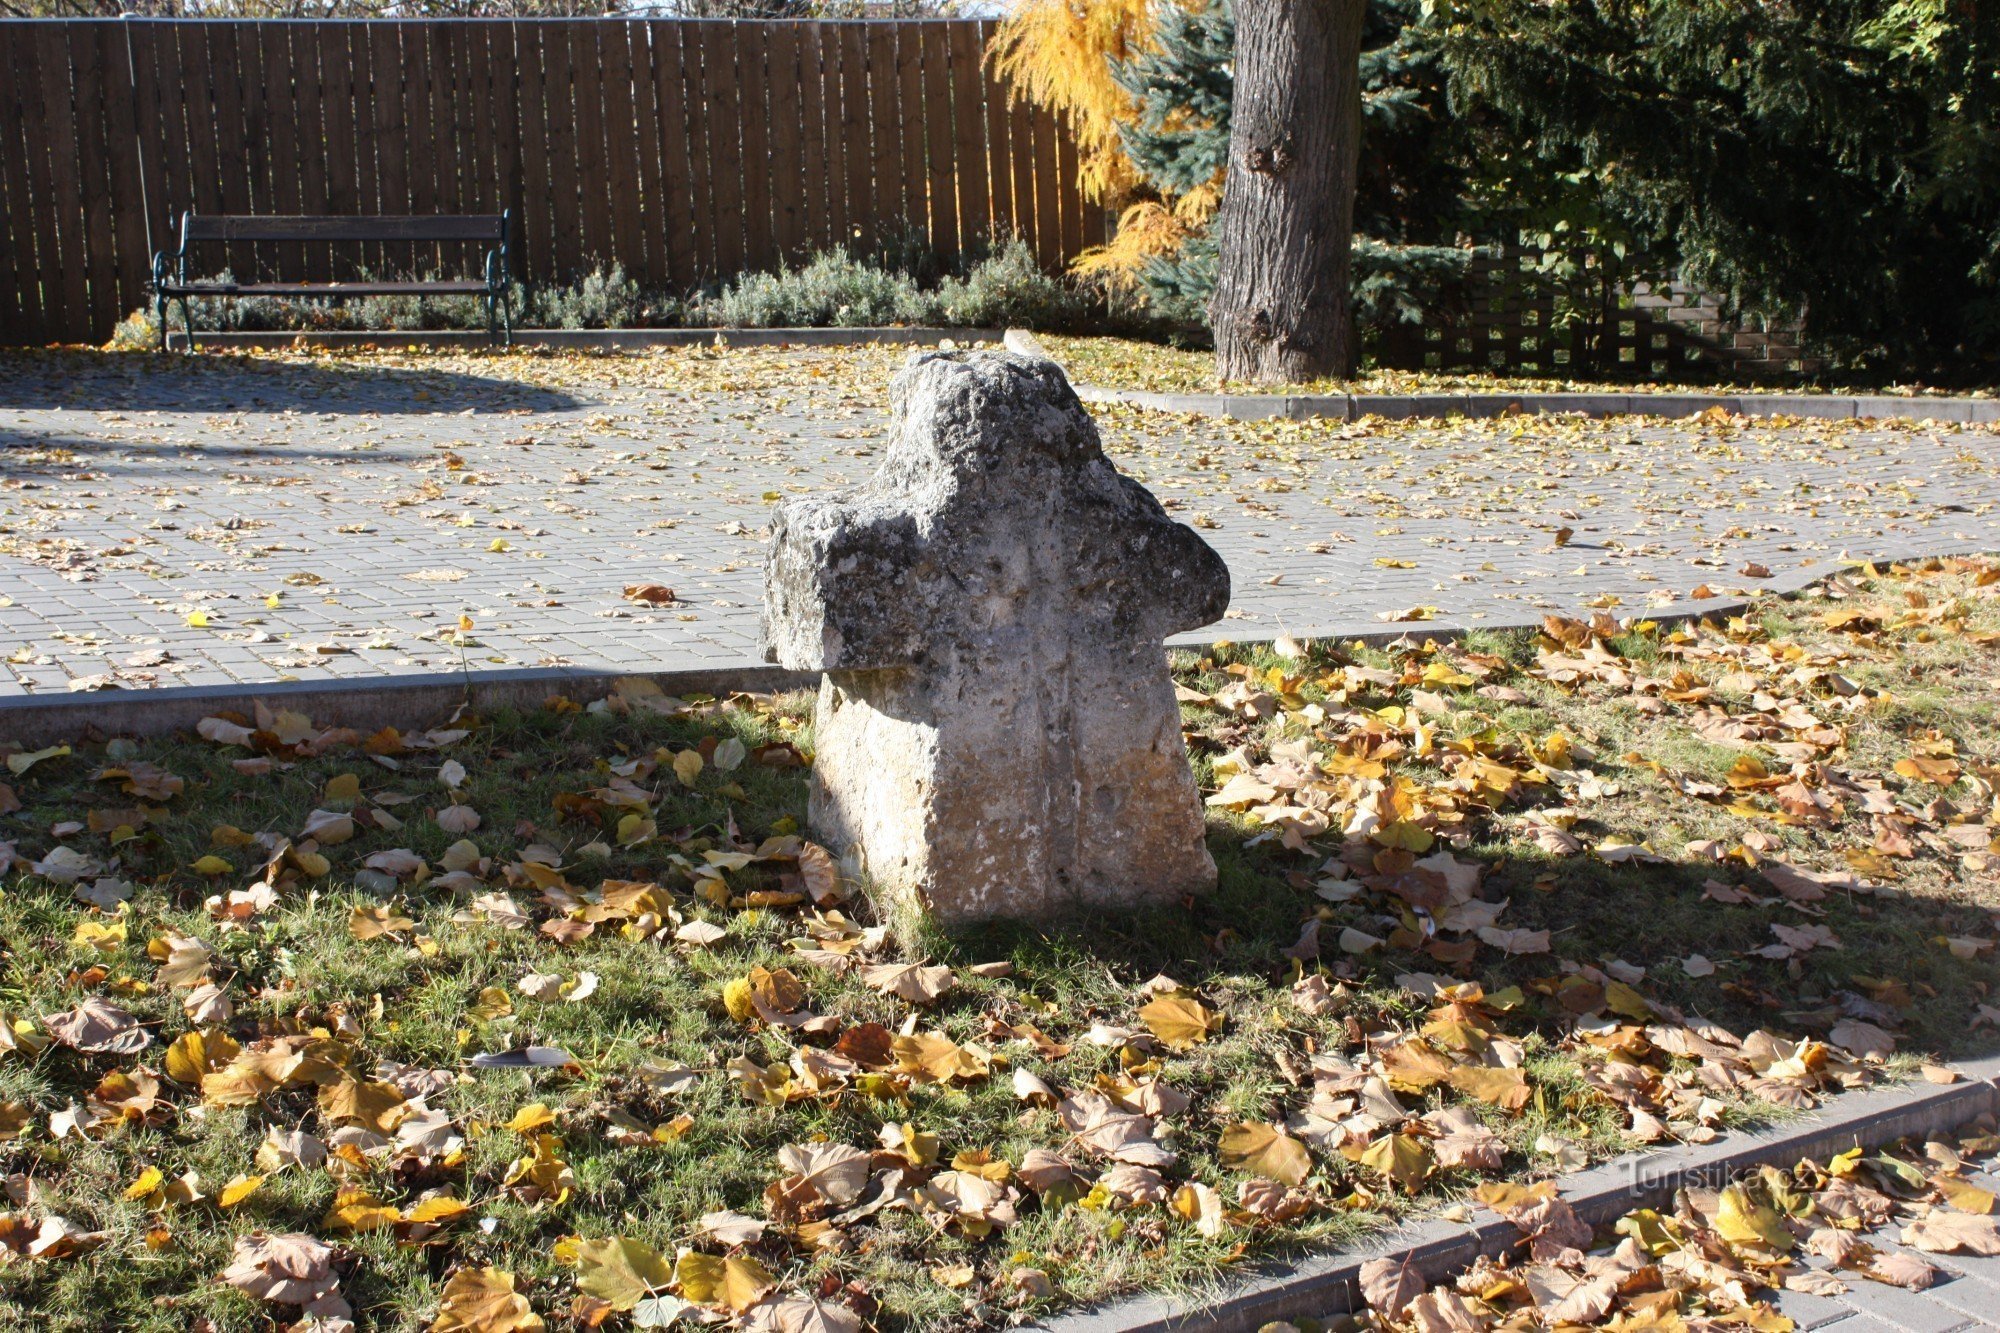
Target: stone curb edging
[1353, 406]
[625, 340]
[1329, 1284]
[371, 703]
[366, 705]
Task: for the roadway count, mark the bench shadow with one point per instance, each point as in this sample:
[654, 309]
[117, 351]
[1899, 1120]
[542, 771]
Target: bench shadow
[87, 380]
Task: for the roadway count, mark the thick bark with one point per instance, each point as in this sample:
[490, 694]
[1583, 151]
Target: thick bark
[1280, 310]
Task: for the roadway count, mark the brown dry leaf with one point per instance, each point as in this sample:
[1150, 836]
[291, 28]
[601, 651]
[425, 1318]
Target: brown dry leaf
[370, 923]
[1389, 1286]
[1265, 1150]
[483, 1300]
[289, 1269]
[938, 1058]
[1901, 1269]
[1954, 1233]
[1181, 1022]
[98, 1026]
[819, 874]
[809, 1314]
[910, 981]
[834, 1171]
[1504, 1088]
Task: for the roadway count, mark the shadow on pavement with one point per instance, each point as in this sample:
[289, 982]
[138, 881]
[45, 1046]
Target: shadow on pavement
[48, 379]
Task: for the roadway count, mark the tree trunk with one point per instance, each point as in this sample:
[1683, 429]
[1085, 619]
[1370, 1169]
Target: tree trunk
[1286, 227]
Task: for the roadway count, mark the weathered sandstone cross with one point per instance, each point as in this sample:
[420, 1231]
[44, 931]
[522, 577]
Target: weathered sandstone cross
[996, 733]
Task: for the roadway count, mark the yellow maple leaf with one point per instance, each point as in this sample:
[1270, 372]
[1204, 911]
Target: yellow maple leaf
[1265, 1150]
[1181, 1022]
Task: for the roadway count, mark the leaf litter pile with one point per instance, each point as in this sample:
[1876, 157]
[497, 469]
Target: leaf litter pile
[1131, 363]
[558, 1019]
[1819, 1228]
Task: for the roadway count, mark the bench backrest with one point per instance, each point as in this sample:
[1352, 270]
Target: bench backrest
[448, 227]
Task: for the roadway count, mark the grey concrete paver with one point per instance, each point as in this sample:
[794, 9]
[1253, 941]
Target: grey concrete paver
[164, 523]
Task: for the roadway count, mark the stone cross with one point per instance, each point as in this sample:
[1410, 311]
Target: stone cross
[996, 734]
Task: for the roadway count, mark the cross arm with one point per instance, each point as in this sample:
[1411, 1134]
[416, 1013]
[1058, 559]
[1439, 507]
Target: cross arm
[840, 587]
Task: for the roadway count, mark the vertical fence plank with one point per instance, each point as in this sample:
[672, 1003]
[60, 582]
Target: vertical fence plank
[285, 112]
[1069, 197]
[829, 131]
[23, 312]
[940, 189]
[807, 121]
[670, 101]
[964, 46]
[885, 130]
[228, 165]
[593, 189]
[1048, 209]
[254, 130]
[124, 186]
[697, 112]
[308, 140]
[621, 146]
[753, 94]
[1003, 173]
[343, 86]
[565, 197]
[444, 49]
[913, 116]
[854, 129]
[388, 190]
[534, 224]
[649, 156]
[724, 165]
[478, 112]
[149, 135]
[89, 80]
[787, 133]
[420, 134]
[65, 206]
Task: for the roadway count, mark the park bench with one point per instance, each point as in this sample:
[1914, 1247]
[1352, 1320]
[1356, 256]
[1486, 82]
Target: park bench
[171, 280]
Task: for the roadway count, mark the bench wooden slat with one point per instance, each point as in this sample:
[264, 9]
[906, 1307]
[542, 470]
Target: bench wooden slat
[452, 227]
[447, 288]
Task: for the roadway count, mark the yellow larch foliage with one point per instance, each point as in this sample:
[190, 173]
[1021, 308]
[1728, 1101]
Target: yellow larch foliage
[1058, 54]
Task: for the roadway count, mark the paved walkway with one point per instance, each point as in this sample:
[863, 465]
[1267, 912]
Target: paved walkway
[1965, 1296]
[169, 523]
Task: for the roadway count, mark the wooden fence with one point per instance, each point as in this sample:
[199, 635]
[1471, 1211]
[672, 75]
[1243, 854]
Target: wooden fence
[684, 149]
[1510, 317]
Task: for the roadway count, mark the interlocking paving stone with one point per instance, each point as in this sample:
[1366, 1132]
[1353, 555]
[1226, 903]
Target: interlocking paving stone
[1863, 1323]
[300, 504]
[1911, 1311]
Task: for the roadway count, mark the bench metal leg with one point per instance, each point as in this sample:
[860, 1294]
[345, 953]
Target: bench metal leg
[187, 322]
[160, 318]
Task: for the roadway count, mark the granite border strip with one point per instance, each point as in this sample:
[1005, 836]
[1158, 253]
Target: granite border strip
[371, 703]
[1327, 1284]
[1352, 407]
[366, 705]
[614, 340]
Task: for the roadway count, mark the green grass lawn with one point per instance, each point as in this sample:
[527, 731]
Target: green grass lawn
[1486, 910]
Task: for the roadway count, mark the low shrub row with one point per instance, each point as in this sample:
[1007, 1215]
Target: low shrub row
[833, 289]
